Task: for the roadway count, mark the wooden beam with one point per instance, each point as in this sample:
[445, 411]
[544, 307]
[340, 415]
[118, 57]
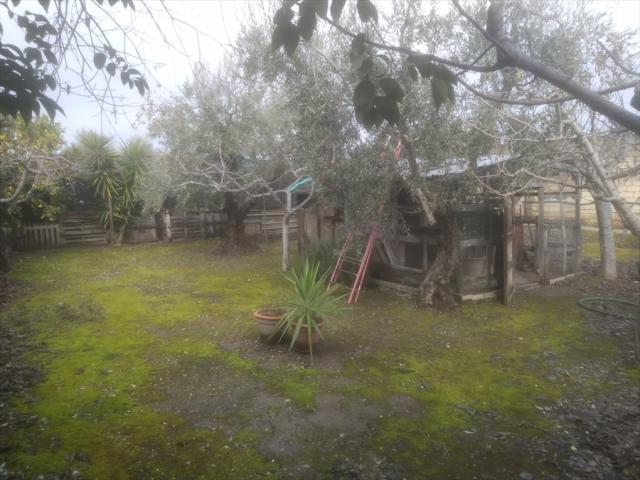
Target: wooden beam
[480, 296]
[508, 279]
[544, 268]
[540, 234]
[396, 287]
[563, 234]
[553, 281]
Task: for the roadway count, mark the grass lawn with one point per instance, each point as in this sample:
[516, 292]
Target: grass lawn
[152, 369]
[627, 246]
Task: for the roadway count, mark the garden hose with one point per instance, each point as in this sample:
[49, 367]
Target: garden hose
[584, 303]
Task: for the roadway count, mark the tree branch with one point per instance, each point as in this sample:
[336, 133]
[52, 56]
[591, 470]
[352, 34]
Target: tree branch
[513, 57]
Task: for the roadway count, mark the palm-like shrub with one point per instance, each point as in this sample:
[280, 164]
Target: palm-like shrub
[115, 175]
[100, 158]
[310, 304]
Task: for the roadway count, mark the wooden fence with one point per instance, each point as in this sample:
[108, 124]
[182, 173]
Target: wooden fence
[75, 228]
[82, 228]
[38, 235]
[197, 224]
[268, 222]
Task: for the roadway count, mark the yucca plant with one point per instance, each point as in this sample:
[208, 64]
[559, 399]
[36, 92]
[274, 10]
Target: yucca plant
[311, 304]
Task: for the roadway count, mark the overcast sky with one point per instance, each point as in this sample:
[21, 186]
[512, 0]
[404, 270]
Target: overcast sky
[218, 21]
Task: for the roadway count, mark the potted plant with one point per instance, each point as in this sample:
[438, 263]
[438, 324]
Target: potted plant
[309, 307]
[267, 319]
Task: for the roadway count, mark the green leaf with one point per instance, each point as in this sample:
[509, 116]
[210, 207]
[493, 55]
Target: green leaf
[367, 11]
[99, 60]
[440, 92]
[358, 46]
[443, 73]
[111, 68]
[392, 88]
[369, 117]
[364, 93]
[283, 17]
[336, 9]
[388, 109]
[33, 54]
[124, 77]
[140, 85]
[423, 63]
[44, 4]
[26, 110]
[50, 106]
[51, 58]
[307, 20]
[366, 67]
[277, 38]
[413, 72]
[291, 39]
[50, 81]
[320, 7]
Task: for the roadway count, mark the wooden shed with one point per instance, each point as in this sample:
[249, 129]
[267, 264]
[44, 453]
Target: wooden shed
[506, 244]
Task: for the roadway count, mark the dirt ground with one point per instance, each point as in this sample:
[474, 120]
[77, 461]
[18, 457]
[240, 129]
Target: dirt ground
[144, 362]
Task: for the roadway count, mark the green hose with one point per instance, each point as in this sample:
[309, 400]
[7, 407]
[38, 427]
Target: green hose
[584, 300]
[583, 304]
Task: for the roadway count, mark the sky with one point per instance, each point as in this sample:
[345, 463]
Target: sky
[201, 31]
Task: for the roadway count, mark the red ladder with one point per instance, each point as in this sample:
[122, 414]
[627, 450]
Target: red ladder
[363, 264]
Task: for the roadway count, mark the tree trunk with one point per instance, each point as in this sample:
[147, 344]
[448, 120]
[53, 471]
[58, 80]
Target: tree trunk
[439, 282]
[601, 178]
[5, 261]
[607, 241]
[165, 222]
[236, 214]
[121, 233]
[110, 213]
[416, 191]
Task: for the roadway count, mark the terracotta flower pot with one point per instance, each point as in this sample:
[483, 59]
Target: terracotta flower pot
[267, 320]
[301, 345]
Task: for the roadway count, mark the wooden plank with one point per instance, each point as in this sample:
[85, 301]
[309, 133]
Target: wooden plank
[508, 280]
[396, 287]
[563, 234]
[544, 267]
[388, 250]
[555, 280]
[540, 233]
[490, 244]
[473, 242]
[408, 239]
[480, 296]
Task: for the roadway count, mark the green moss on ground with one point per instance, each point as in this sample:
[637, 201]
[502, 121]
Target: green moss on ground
[100, 312]
[119, 323]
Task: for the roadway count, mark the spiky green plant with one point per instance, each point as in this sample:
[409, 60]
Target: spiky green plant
[311, 303]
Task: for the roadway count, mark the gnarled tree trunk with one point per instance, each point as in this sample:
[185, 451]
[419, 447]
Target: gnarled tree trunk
[236, 213]
[439, 282]
[165, 223]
